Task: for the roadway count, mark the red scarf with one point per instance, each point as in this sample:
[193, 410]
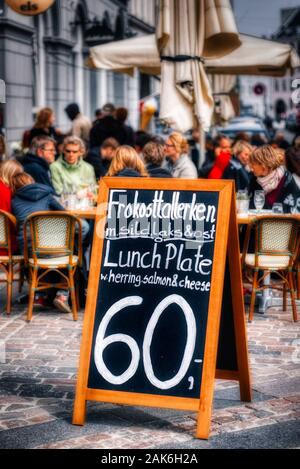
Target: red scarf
[5, 204]
[274, 195]
[221, 163]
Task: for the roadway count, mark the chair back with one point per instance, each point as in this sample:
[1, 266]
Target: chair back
[277, 236]
[52, 234]
[6, 222]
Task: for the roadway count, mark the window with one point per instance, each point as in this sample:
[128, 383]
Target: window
[144, 85]
[283, 84]
[118, 87]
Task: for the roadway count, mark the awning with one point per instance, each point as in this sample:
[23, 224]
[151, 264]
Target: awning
[255, 56]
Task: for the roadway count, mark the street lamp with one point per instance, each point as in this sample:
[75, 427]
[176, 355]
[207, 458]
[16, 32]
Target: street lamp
[28, 7]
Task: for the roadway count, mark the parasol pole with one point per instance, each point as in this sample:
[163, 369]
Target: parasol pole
[202, 147]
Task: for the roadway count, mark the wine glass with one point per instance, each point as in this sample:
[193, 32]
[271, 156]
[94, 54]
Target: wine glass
[277, 208]
[259, 200]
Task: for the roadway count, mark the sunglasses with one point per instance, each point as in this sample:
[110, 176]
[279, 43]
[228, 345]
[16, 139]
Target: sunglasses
[72, 151]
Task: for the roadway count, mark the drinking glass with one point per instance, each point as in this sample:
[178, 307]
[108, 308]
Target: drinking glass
[72, 202]
[242, 201]
[93, 194]
[243, 206]
[259, 200]
[277, 208]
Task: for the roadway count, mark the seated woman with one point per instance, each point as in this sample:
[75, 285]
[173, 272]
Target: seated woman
[241, 151]
[154, 155]
[223, 155]
[271, 176]
[101, 160]
[238, 165]
[292, 158]
[180, 164]
[8, 169]
[127, 163]
[30, 197]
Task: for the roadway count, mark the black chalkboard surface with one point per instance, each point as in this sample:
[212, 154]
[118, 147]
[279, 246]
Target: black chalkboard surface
[227, 357]
[164, 314]
[154, 293]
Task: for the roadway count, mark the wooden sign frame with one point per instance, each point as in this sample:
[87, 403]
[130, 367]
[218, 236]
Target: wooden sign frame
[226, 246]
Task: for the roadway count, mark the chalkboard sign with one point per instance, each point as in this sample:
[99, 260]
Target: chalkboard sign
[155, 297]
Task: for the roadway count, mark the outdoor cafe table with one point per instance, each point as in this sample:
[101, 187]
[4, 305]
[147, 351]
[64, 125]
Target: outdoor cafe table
[242, 219]
[88, 213]
[265, 300]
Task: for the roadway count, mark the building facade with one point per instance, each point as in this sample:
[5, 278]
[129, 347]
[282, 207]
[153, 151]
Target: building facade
[283, 88]
[259, 105]
[280, 93]
[42, 60]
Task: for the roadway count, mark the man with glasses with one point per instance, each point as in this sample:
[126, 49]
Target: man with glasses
[39, 158]
[70, 173]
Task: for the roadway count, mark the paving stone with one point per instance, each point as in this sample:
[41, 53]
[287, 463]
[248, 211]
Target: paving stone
[43, 393]
[18, 379]
[53, 376]
[282, 435]
[38, 385]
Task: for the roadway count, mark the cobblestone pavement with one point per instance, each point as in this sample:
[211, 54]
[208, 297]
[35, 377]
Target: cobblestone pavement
[37, 382]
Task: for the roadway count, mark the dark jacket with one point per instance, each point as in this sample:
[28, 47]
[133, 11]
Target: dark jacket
[38, 168]
[155, 171]
[100, 166]
[289, 194]
[106, 128]
[36, 132]
[29, 199]
[236, 171]
[195, 155]
[128, 135]
[128, 173]
[207, 164]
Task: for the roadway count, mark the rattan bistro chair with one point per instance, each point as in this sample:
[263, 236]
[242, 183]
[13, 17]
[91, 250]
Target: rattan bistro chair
[276, 246]
[52, 237]
[297, 271]
[8, 261]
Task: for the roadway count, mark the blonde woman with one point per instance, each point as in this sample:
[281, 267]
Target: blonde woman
[236, 168]
[241, 151]
[8, 169]
[271, 176]
[127, 163]
[176, 151]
